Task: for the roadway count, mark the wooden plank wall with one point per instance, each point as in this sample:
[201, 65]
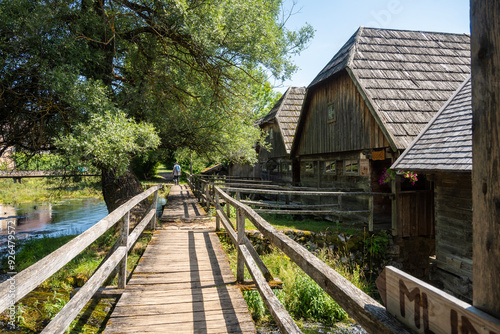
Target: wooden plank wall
[453, 198]
[416, 213]
[354, 128]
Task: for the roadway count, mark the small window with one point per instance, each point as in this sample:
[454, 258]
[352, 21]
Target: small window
[271, 133]
[286, 167]
[332, 115]
[331, 167]
[351, 167]
[309, 168]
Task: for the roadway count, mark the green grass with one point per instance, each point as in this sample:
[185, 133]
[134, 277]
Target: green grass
[287, 222]
[45, 189]
[301, 296]
[36, 309]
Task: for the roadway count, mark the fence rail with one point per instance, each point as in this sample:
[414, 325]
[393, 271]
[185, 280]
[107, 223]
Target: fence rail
[365, 310]
[28, 279]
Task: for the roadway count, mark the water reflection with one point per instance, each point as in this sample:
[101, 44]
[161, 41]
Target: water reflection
[50, 219]
[67, 217]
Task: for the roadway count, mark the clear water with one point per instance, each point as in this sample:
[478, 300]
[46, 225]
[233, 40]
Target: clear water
[64, 217]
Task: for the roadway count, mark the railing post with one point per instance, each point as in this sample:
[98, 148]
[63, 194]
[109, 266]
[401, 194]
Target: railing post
[228, 209]
[122, 266]
[240, 265]
[152, 225]
[207, 194]
[217, 207]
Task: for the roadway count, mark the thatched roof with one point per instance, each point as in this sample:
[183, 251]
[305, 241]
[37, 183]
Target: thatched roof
[286, 113]
[405, 76]
[446, 142]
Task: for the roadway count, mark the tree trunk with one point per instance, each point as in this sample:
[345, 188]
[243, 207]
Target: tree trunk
[118, 190]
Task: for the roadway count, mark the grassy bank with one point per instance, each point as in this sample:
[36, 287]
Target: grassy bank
[47, 189]
[34, 311]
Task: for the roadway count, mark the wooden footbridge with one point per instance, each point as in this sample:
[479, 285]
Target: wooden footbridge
[183, 282]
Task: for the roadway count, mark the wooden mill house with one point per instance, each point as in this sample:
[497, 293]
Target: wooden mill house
[443, 153]
[363, 110]
[280, 125]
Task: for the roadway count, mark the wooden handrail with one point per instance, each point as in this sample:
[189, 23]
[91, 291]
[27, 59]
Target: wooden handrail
[365, 310]
[28, 279]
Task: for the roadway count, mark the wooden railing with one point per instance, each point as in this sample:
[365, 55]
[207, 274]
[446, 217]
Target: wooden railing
[204, 191]
[27, 280]
[370, 314]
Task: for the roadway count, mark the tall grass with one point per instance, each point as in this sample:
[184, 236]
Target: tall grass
[46, 189]
[301, 296]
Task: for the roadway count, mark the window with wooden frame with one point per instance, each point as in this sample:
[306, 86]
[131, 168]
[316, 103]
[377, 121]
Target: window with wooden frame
[331, 167]
[332, 114]
[309, 168]
[351, 167]
[271, 133]
[286, 167]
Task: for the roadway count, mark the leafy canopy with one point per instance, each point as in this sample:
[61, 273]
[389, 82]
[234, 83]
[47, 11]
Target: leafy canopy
[105, 80]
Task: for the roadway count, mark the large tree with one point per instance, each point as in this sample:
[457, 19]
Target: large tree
[104, 80]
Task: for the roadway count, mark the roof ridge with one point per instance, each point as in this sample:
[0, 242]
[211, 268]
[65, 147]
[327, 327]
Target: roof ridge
[352, 51]
[420, 31]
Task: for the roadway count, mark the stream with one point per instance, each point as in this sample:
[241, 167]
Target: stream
[54, 219]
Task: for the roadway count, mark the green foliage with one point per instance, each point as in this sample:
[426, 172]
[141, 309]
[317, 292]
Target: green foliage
[308, 301]
[146, 166]
[101, 80]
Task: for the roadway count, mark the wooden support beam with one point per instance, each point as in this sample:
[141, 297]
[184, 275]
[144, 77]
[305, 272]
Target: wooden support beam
[485, 53]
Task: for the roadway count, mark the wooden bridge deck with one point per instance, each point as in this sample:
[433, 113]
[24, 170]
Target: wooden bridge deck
[183, 282]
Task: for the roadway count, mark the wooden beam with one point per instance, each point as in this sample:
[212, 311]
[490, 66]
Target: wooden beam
[426, 309]
[280, 315]
[485, 52]
[62, 320]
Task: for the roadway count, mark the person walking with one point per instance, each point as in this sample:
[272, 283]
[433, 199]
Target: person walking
[176, 172]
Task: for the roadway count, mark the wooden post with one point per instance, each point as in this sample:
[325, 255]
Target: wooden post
[207, 195]
[370, 215]
[122, 266]
[485, 52]
[240, 265]
[217, 207]
[396, 188]
[339, 200]
[152, 225]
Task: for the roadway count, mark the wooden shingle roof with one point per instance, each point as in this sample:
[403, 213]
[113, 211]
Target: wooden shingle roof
[405, 76]
[286, 112]
[446, 142]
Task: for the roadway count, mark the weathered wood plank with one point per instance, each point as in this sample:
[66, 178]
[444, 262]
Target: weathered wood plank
[426, 309]
[279, 313]
[181, 286]
[62, 320]
[485, 46]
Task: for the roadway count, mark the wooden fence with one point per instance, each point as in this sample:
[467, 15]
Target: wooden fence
[28, 279]
[370, 314]
[204, 191]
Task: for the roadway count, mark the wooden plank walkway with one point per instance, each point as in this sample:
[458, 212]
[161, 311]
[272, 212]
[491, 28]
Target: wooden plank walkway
[183, 282]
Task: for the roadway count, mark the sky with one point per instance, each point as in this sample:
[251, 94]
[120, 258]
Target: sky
[335, 21]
